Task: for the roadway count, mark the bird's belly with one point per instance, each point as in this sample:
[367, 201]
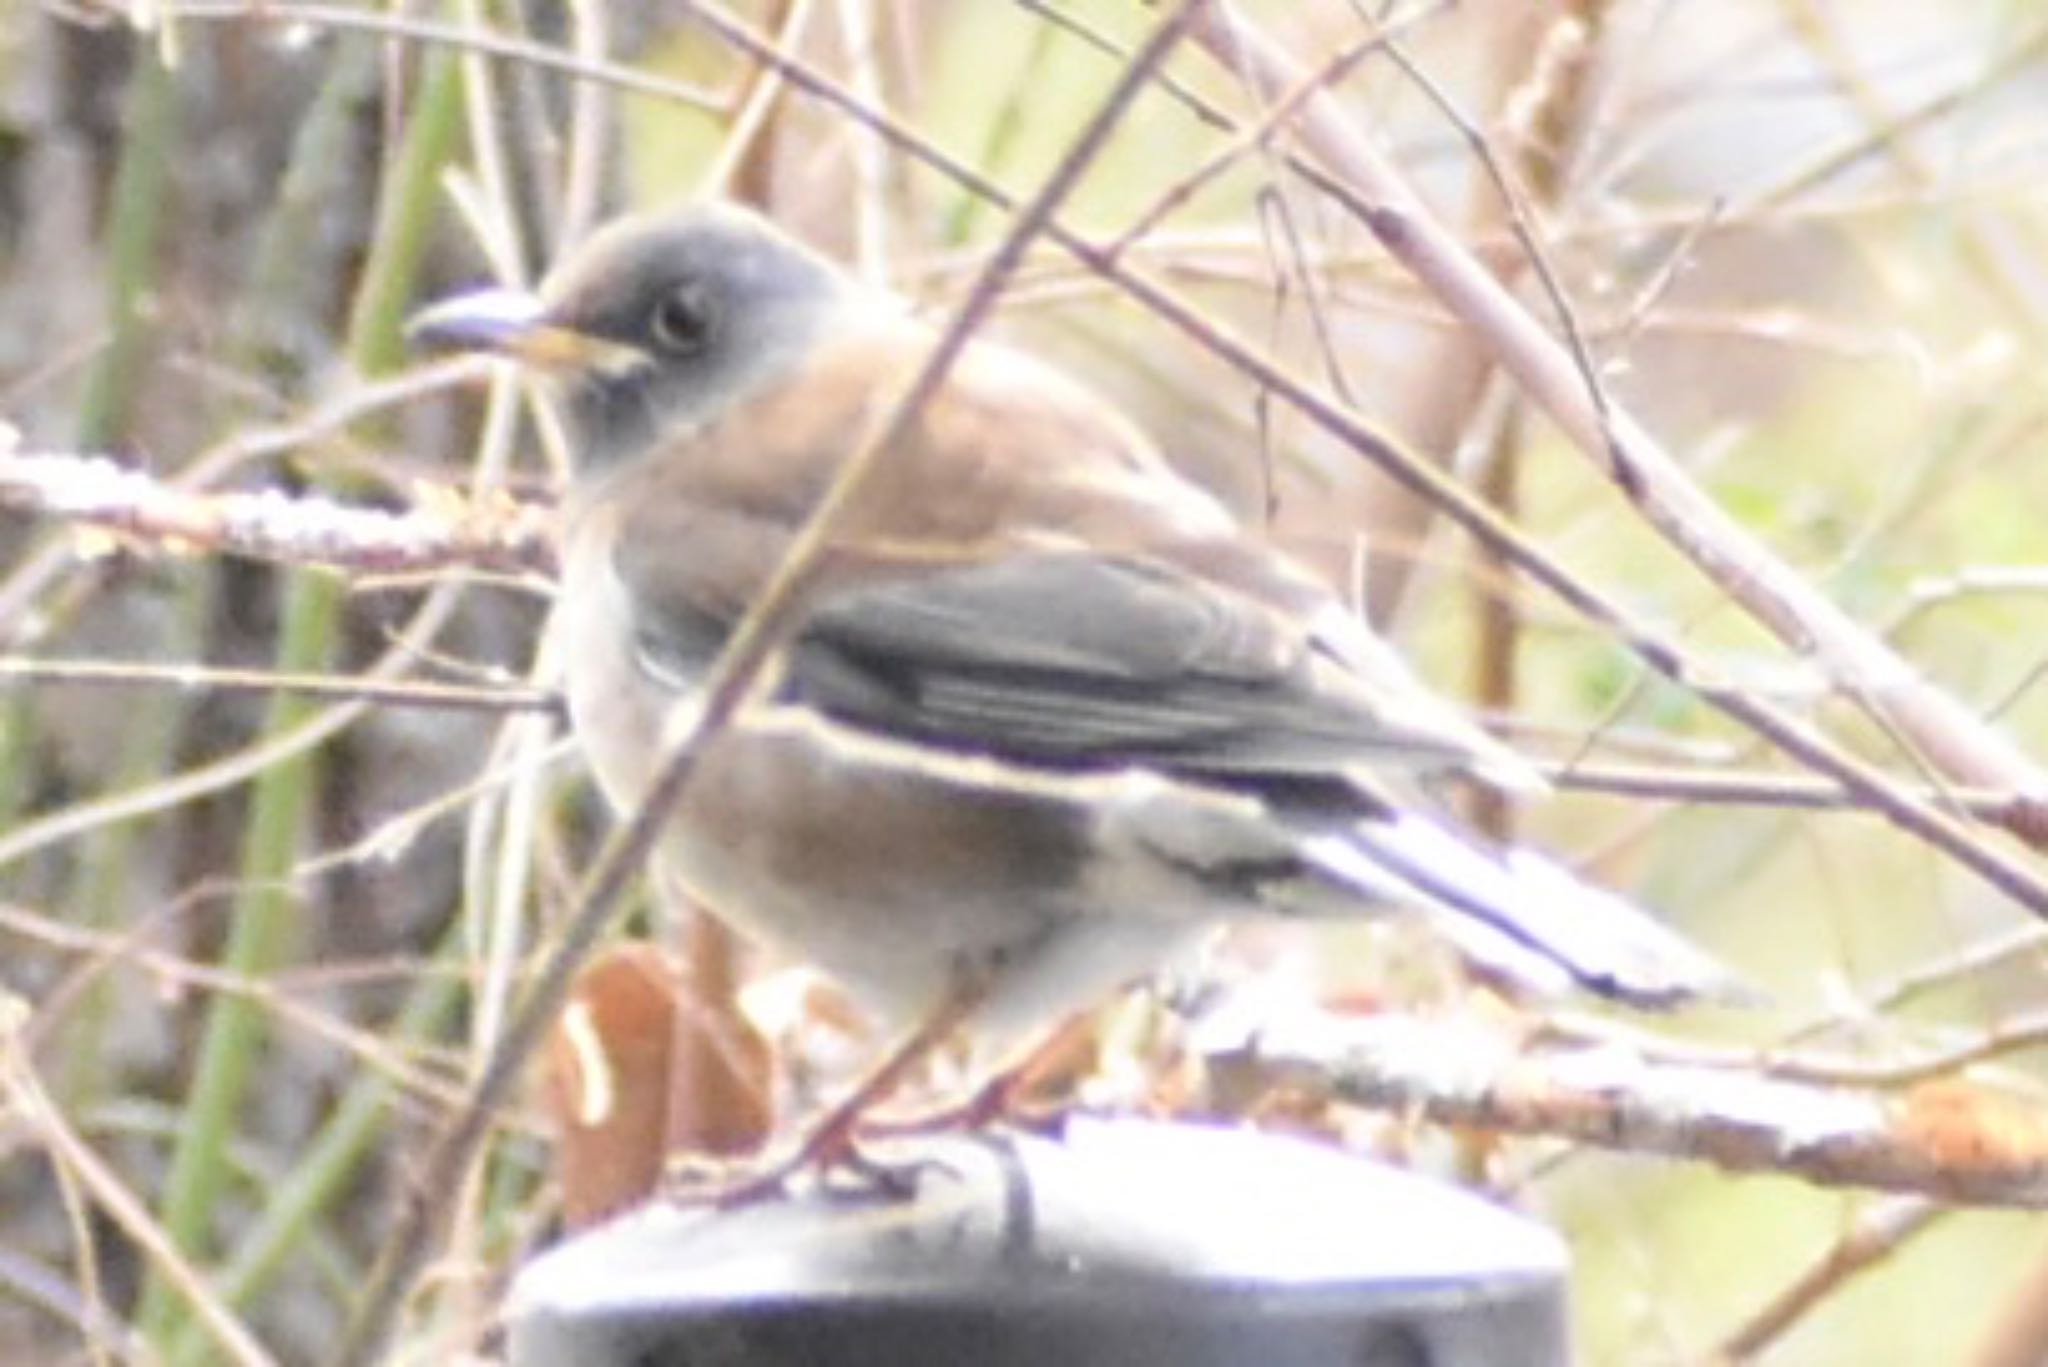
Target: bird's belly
[899, 879]
[892, 878]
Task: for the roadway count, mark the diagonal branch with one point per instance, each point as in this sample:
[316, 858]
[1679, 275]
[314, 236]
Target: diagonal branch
[1957, 742]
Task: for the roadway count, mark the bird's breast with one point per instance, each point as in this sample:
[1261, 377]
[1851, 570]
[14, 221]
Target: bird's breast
[615, 707]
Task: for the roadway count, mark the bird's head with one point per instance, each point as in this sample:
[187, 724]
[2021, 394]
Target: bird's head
[656, 323]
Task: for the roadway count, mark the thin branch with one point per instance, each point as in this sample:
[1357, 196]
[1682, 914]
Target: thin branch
[241, 766]
[1760, 788]
[477, 41]
[27, 584]
[1952, 1140]
[286, 997]
[446, 531]
[195, 678]
[23, 1090]
[1875, 1237]
[2016, 1034]
[1859, 664]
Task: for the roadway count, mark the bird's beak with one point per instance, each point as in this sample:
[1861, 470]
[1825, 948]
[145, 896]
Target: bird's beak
[515, 323]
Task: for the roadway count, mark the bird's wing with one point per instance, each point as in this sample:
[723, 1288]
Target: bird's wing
[1055, 658]
[1024, 578]
[1065, 658]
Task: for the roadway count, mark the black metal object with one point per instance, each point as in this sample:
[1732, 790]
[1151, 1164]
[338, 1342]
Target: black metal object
[1126, 1243]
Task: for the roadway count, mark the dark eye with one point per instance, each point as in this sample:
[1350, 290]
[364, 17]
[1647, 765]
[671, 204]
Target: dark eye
[684, 318]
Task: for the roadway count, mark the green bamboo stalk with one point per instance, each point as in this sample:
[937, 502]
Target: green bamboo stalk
[405, 221]
[1005, 130]
[104, 871]
[261, 930]
[332, 1158]
[149, 121]
[105, 876]
[141, 181]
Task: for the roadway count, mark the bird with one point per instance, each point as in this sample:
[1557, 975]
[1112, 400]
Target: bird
[1048, 712]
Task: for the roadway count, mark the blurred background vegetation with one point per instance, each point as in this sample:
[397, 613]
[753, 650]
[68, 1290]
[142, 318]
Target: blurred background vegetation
[251, 941]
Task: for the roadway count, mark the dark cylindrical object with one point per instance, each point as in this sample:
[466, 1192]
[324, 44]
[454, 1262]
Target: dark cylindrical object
[1126, 1243]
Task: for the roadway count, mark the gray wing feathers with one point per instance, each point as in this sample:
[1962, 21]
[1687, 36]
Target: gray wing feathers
[1523, 912]
[1060, 657]
[1064, 613]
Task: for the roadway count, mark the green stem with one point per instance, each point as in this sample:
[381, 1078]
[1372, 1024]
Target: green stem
[332, 1158]
[105, 873]
[261, 925]
[259, 939]
[141, 184]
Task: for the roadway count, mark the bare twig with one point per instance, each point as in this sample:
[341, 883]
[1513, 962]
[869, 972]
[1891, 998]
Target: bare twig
[286, 997]
[304, 530]
[389, 692]
[482, 42]
[1758, 788]
[1875, 1237]
[1860, 665]
[1950, 1140]
[24, 1093]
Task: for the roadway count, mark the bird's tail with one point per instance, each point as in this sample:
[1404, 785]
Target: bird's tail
[1517, 913]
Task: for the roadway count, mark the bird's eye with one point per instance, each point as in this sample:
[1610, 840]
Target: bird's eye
[684, 318]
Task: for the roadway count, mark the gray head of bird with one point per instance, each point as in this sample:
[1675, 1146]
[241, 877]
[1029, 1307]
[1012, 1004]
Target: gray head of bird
[656, 324]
